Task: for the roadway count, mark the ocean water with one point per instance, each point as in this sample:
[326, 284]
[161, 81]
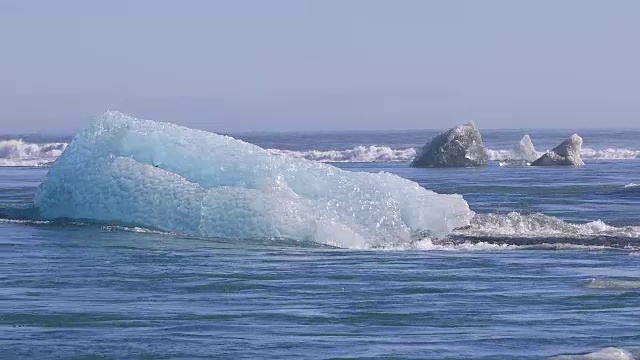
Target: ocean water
[549, 266]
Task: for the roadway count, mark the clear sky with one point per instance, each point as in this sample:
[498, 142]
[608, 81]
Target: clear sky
[241, 65]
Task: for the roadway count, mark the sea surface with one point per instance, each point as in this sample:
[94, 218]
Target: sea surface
[549, 266]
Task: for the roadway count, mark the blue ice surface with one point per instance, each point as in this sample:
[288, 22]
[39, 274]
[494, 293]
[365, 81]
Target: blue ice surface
[168, 177]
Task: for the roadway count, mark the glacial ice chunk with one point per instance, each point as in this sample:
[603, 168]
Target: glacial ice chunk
[460, 146]
[163, 176]
[524, 150]
[567, 153]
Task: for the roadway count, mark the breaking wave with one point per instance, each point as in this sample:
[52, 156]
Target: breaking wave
[610, 154]
[16, 152]
[373, 153]
[378, 153]
[502, 155]
[539, 225]
[539, 231]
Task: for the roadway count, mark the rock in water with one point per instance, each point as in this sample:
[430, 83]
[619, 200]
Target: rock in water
[524, 150]
[567, 153]
[460, 146]
[123, 170]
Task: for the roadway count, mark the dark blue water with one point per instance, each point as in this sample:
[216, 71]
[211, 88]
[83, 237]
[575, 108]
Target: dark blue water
[74, 290]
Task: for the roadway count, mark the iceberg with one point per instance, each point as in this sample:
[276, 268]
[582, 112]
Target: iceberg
[523, 153]
[460, 146]
[524, 150]
[163, 176]
[567, 153]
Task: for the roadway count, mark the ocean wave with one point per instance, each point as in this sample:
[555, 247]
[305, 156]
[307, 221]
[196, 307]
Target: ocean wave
[631, 186]
[373, 153]
[378, 153]
[539, 231]
[503, 155]
[428, 244]
[586, 153]
[610, 154]
[136, 229]
[16, 152]
[515, 231]
[25, 221]
[539, 225]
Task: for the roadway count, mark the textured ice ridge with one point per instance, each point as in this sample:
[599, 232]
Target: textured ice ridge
[172, 178]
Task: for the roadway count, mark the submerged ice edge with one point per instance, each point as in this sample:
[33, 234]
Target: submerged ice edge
[487, 232]
[446, 244]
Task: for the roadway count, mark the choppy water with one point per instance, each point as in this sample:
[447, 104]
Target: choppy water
[549, 266]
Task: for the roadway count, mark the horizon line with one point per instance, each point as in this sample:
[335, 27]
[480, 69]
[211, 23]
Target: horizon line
[321, 131]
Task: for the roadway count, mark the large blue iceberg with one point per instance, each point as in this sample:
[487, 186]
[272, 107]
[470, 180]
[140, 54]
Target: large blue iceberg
[163, 176]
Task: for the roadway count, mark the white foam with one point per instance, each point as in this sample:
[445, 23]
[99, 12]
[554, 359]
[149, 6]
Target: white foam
[378, 153]
[586, 153]
[508, 155]
[430, 245]
[373, 153]
[610, 154]
[167, 177]
[631, 185]
[610, 353]
[136, 229]
[25, 221]
[539, 226]
[16, 152]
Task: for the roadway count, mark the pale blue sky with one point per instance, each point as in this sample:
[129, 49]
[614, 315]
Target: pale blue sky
[242, 65]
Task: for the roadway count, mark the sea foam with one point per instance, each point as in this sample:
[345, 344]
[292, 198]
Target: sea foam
[373, 153]
[538, 225]
[163, 176]
[380, 153]
[19, 153]
[16, 152]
